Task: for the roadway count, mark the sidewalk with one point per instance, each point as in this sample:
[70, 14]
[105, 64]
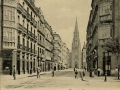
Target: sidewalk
[21, 76]
[101, 78]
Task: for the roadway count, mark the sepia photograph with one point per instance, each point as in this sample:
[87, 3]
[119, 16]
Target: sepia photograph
[60, 44]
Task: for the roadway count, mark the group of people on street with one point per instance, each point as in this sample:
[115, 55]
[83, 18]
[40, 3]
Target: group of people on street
[82, 73]
[93, 71]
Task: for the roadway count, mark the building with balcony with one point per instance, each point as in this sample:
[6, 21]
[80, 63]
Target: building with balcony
[26, 37]
[48, 46]
[103, 24]
[19, 36]
[64, 56]
[60, 53]
[1, 36]
[57, 52]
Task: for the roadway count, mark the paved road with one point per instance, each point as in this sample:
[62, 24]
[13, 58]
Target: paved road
[63, 80]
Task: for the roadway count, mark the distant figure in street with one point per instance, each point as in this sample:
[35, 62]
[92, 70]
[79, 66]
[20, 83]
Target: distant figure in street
[85, 68]
[30, 71]
[81, 76]
[93, 71]
[116, 71]
[38, 72]
[74, 69]
[90, 72]
[14, 73]
[52, 72]
[99, 71]
[76, 74]
[83, 72]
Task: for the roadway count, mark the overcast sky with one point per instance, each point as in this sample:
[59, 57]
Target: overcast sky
[61, 16]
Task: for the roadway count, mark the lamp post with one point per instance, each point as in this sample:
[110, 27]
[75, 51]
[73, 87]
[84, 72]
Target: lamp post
[105, 66]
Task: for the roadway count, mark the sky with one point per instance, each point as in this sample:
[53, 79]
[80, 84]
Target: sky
[61, 16]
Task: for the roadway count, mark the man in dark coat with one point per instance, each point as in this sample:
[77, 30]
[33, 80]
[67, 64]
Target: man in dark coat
[14, 73]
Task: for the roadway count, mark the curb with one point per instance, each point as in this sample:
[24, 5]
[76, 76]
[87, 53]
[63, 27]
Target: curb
[36, 75]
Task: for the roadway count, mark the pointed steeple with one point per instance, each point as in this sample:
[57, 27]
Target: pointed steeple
[76, 26]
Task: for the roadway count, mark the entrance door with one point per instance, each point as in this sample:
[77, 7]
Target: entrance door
[18, 66]
[7, 67]
[107, 66]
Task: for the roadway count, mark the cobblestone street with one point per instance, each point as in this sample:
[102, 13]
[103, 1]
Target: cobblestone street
[62, 80]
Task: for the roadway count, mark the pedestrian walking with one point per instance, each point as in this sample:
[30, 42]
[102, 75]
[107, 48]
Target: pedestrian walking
[99, 71]
[14, 73]
[52, 72]
[74, 69]
[81, 76]
[76, 74]
[85, 68]
[38, 72]
[90, 72]
[93, 71]
[83, 72]
[30, 71]
[116, 71]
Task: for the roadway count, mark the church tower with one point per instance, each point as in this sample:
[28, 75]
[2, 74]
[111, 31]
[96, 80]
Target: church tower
[76, 49]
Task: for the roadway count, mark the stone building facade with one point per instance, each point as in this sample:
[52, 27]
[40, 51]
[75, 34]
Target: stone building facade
[26, 38]
[103, 24]
[84, 64]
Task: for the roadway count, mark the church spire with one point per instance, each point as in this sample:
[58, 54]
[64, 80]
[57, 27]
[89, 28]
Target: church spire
[76, 26]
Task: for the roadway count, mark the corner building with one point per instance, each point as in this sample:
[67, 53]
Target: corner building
[103, 24]
[25, 37]
[57, 52]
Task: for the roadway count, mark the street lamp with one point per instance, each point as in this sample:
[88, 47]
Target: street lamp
[105, 66]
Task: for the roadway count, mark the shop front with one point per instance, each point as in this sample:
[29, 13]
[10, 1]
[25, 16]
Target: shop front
[7, 62]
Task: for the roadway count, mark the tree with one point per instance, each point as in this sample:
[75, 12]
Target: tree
[113, 45]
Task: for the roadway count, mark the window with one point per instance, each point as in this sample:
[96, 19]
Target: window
[38, 23]
[38, 50]
[28, 43]
[105, 8]
[31, 46]
[31, 15]
[76, 35]
[34, 16]
[27, 26]
[18, 19]
[27, 10]
[13, 15]
[23, 23]
[40, 38]
[34, 32]
[10, 35]
[23, 4]
[18, 39]
[42, 51]
[34, 47]
[9, 13]
[31, 29]
[23, 42]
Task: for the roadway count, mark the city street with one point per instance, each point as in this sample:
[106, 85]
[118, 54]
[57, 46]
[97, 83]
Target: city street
[63, 80]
